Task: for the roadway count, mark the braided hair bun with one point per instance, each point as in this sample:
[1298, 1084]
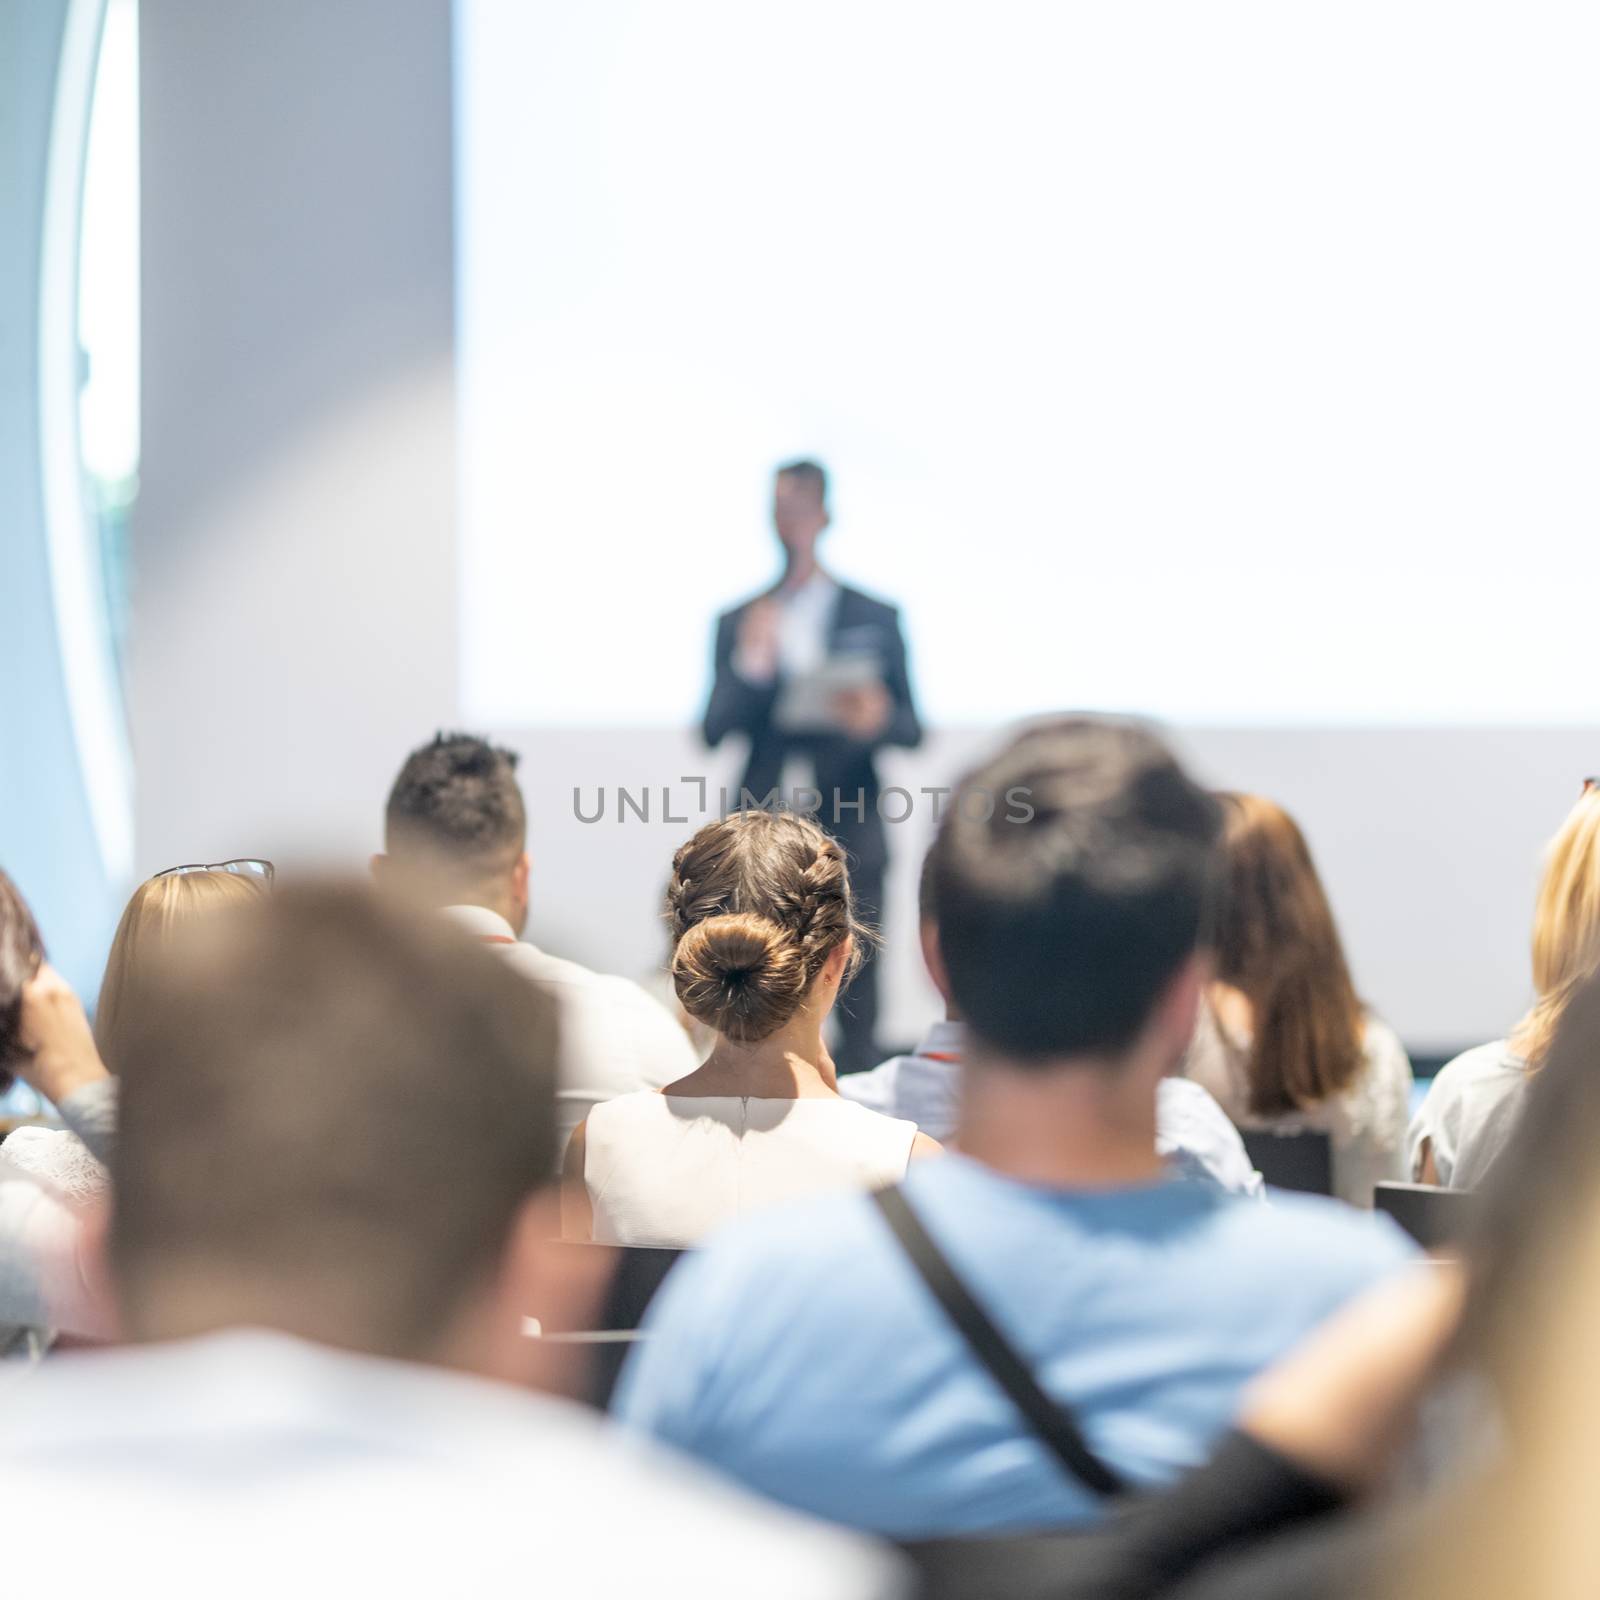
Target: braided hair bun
[758, 902]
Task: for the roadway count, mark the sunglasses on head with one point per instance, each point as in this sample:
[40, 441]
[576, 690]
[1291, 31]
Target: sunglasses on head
[243, 867]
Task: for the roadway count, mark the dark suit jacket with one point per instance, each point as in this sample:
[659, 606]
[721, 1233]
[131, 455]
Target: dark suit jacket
[843, 765]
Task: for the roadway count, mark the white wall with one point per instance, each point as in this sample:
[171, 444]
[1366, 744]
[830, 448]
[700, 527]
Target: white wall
[294, 624]
[294, 574]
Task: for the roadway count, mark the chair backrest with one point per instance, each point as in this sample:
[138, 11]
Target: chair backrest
[1437, 1219]
[1302, 1161]
[640, 1272]
[633, 1274]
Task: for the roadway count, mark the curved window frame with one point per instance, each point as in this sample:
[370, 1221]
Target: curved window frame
[78, 579]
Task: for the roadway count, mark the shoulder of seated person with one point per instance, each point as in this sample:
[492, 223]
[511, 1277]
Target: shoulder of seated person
[554, 969]
[1378, 1035]
[783, 1242]
[1494, 1059]
[1320, 1229]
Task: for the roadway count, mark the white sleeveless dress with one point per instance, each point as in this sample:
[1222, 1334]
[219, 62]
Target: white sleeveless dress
[667, 1169]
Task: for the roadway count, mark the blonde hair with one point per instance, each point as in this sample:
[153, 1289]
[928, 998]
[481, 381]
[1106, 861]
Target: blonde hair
[159, 910]
[1566, 926]
[1527, 1527]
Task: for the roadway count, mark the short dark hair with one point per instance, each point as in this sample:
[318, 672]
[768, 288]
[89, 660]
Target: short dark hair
[332, 1113]
[811, 473]
[457, 801]
[1070, 880]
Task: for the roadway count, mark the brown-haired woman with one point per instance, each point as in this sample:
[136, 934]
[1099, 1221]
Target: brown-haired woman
[45, 1284]
[764, 937]
[1284, 1042]
[55, 1174]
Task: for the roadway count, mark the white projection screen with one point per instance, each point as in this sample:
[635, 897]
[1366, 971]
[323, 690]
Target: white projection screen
[1234, 363]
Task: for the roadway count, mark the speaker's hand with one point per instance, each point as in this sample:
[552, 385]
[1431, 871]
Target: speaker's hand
[755, 656]
[864, 711]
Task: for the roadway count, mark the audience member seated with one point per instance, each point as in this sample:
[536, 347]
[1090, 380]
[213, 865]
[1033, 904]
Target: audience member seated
[1473, 1105]
[163, 909]
[1302, 1503]
[1283, 1042]
[335, 1199]
[455, 833]
[45, 1282]
[1288, 1506]
[1192, 1131]
[765, 936]
[803, 1353]
[69, 1163]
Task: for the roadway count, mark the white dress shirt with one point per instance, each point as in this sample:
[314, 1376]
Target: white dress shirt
[1193, 1134]
[803, 617]
[925, 1087]
[614, 1037]
[254, 1463]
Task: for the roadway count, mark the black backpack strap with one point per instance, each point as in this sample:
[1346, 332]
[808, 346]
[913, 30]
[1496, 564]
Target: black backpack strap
[1052, 1422]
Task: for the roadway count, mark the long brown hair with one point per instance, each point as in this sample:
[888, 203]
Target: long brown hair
[757, 903]
[1277, 944]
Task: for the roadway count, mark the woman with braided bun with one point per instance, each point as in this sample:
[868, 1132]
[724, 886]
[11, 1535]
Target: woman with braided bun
[764, 937]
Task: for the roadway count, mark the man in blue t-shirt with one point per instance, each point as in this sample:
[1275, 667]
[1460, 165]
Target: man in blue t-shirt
[800, 1351]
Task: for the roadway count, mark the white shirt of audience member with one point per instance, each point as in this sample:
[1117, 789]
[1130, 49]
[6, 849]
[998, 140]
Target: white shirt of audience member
[1469, 1114]
[668, 1169]
[252, 1463]
[614, 1037]
[1366, 1125]
[48, 1177]
[1193, 1132]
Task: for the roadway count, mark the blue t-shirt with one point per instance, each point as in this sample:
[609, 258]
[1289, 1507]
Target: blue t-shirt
[800, 1352]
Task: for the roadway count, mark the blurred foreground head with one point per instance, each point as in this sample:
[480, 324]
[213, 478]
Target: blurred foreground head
[337, 1122]
[1527, 1526]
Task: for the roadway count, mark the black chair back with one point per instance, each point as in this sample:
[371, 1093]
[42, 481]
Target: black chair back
[1302, 1161]
[1438, 1219]
[633, 1274]
[640, 1272]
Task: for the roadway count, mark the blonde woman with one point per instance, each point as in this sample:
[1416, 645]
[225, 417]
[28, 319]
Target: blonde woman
[764, 938]
[70, 1161]
[1474, 1103]
[160, 908]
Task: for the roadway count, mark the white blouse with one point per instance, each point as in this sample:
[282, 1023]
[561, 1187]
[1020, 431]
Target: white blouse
[1469, 1114]
[1366, 1125]
[667, 1169]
